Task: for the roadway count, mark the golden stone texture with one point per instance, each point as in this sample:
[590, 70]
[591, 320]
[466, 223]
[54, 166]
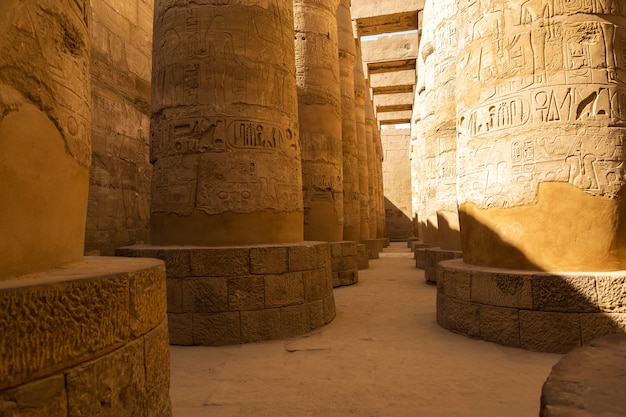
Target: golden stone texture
[225, 145]
[319, 104]
[45, 127]
[541, 121]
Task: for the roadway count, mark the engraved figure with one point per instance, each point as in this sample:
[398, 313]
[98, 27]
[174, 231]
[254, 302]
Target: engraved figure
[539, 11]
[490, 25]
[221, 57]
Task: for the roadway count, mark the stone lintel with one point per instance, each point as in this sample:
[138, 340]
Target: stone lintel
[540, 311]
[391, 66]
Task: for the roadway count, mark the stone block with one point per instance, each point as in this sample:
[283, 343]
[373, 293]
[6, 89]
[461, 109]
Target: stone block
[148, 299]
[456, 284]
[260, 325]
[205, 295]
[504, 290]
[420, 258]
[500, 325]
[574, 294]
[246, 293]
[430, 274]
[595, 325]
[180, 328]
[284, 290]
[303, 258]
[362, 258]
[549, 332]
[113, 385]
[612, 294]
[348, 248]
[336, 249]
[43, 398]
[336, 282]
[177, 262]
[316, 313]
[316, 284]
[174, 295]
[347, 278]
[329, 309]
[217, 329]
[219, 262]
[61, 324]
[269, 260]
[461, 317]
[157, 365]
[294, 320]
[323, 255]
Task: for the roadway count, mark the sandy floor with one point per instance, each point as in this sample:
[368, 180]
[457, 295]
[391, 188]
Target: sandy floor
[383, 355]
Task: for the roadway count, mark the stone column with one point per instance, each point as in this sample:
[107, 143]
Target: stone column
[319, 105]
[319, 112]
[371, 130]
[424, 172]
[541, 126]
[225, 146]
[227, 211]
[347, 60]
[80, 336]
[361, 96]
[542, 121]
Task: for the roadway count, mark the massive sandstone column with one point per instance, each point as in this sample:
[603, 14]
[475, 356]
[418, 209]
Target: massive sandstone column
[361, 97]
[79, 336]
[319, 104]
[542, 120]
[423, 146]
[371, 132]
[347, 60]
[227, 211]
[225, 143]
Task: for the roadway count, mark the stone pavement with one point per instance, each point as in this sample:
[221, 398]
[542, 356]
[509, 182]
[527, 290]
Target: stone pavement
[383, 356]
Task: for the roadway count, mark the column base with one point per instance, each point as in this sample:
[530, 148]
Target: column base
[362, 257]
[374, 247]
[583, 382]
[344, 263]
[430, 257]
[532, 310]
[87, 339]
[241, 294]
[418, 244]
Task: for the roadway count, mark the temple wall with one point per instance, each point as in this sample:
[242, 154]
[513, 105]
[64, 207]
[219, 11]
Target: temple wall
[119, 191]
[397, 182]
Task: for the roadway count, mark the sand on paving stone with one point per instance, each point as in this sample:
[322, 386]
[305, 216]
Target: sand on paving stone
[383, 356]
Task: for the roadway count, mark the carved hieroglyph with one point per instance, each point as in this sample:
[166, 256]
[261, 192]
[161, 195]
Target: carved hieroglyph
[347, 59]
[541, 120]
[424, 173]
[45, 127]
[361, 96]
[225, 145]
[319, 104]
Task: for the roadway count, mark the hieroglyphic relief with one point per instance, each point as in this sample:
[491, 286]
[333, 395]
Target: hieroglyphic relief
[224, 128]
[557, 116]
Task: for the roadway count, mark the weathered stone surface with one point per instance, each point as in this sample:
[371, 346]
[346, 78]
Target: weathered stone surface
[612, 294]
[455, 284]
[316, 310]
[502, 289]
[174, 295]
[269, 260]
[181, 328]
[157, 365]
[260, 325]
[45, 126]
[92, 314]
[347, 60]
[601, 324]
[219, 262]
[397, 183]
[205, 295]
[364, 148]
[576, 293]
[362, 257]
[214, 329]
[42, 398]
[329, 309]
[549, 332]
[500, 325]
[295, 320]
[114, 385]
[118, 213]
[583, 382]
[303, 257]
[284, 290]
[319, 113]
[525, 162]
[246, 293]
[225, 143]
